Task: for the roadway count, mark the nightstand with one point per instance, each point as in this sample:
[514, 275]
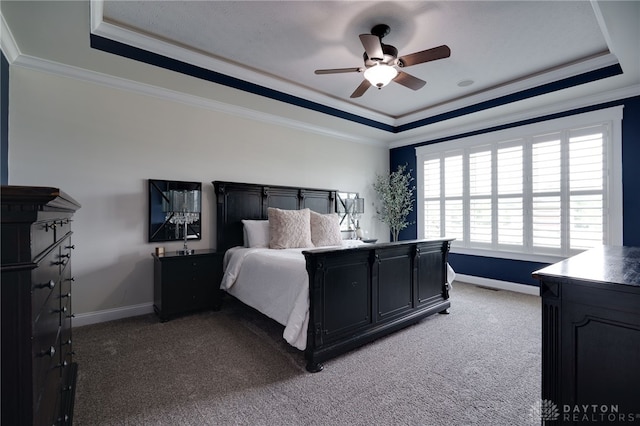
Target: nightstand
[186, 283]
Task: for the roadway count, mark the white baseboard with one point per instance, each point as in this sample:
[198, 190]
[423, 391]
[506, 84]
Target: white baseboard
[112, 314]
[497, 284]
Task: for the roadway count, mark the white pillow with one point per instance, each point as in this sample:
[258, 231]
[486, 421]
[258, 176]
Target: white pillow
[256, 233]
[289, 228]
[325, 229]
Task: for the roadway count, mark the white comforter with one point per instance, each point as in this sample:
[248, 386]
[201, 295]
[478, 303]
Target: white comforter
[275, 282]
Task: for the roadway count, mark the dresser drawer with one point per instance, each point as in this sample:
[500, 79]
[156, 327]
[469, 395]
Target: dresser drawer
[62, 228]
[66, 343]
[47, 400]
[46, 366]
[188, 271]
[42, 236]
[45, 279]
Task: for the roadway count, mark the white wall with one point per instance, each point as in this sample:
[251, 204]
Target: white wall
[100, 145]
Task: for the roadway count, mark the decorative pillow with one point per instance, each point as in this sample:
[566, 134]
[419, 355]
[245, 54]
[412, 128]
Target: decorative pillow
[256, 233]
[289, 228]
[325, 229]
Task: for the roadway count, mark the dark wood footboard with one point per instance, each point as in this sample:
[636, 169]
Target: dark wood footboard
[359, 294]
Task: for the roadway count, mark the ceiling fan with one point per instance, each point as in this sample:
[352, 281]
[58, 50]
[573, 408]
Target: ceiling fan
[382, 65]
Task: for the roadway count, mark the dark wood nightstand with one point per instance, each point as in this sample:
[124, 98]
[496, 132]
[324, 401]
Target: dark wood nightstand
[186, 283]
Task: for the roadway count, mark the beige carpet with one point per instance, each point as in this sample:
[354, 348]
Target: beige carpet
[480, 365]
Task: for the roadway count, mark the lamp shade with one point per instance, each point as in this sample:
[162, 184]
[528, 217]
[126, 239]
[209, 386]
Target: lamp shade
[181, 201]
[380, 75]
[354, 205]
[358, 205]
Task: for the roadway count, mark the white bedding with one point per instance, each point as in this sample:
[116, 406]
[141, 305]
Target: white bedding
[275, 282]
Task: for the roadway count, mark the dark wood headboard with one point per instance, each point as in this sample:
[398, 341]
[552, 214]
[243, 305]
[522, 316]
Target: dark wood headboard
[236, 201]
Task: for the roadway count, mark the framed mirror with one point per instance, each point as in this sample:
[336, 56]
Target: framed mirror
[163, 225]
[343, 201]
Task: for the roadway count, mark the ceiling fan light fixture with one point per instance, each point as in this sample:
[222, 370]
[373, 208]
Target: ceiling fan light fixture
[380, 75]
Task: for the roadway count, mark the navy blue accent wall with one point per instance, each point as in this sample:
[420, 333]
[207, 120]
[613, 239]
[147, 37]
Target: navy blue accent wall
[494, 268]
[630, 173]
[4, 120]
[408, 157]
[520, 271]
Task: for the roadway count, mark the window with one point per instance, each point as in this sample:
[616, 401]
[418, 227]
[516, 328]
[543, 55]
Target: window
[536, 192]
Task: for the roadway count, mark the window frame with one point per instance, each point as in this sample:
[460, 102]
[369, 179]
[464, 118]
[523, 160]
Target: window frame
[612, 185]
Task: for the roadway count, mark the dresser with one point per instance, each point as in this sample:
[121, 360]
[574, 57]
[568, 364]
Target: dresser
[38, 371]
[591, 337]
[186, 283]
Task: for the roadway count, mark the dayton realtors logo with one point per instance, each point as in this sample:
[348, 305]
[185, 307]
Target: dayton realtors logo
[547, 410]
[544, 410]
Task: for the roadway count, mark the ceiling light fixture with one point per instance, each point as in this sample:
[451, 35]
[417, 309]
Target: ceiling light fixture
[380, 74]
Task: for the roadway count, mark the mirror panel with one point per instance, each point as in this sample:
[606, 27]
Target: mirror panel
[341, 208]
[160, 228]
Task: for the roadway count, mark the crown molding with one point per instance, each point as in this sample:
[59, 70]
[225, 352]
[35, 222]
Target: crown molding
[7, 42]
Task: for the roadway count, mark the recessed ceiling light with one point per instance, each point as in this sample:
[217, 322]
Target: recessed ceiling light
[465, 83]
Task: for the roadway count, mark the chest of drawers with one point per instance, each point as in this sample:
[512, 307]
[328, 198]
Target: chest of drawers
[38, 372]
[184, 283]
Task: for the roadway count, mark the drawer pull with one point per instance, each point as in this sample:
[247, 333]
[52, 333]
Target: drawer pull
[68, 342]
[61, 262]
[48, 226]
[63, 310]
[68, 255]
[71, 316]
[72, 247]
[70, 279]
[63, 364]
[62, 296]
[51, 352]
[51, 284]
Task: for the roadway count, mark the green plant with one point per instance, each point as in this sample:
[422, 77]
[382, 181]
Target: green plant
[396, 196]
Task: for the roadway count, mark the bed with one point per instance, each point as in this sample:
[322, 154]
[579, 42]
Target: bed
[330, 299]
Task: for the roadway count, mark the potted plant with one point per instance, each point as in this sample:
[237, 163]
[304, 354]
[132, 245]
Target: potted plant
[396, 196]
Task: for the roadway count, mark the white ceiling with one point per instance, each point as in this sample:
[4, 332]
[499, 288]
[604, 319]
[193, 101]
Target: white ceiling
[503, 46]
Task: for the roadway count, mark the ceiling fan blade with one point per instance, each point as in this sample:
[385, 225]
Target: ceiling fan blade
[361, 89]
[338, 70]
[372, 46]
[439, 52]
[407, 80]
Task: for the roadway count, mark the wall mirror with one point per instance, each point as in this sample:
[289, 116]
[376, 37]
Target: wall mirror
[167, 225]
[343, 204]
